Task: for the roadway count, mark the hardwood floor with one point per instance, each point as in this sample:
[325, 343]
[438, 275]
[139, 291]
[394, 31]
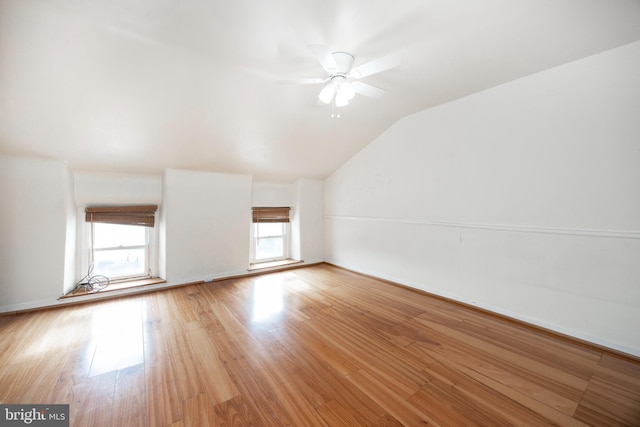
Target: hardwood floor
[311, 346]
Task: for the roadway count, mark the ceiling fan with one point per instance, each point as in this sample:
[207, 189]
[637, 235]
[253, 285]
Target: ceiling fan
[342, 82]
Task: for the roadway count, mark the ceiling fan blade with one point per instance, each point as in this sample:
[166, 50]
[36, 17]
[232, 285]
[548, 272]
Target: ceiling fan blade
[376, 66]
[324, 56]
[367, 90]
[310, 81]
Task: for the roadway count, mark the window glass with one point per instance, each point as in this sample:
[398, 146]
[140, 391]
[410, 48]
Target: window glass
[119, 263]
[266, 229]
[270, 247]
[120, 251]
[114, 235]
[269, 241]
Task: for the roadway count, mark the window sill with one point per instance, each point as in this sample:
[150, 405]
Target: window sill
[116, 286]
[270, 264]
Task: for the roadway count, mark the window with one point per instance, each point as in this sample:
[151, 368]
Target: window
[120, 237]
[270, 241]
[270, 234]
[120, 251]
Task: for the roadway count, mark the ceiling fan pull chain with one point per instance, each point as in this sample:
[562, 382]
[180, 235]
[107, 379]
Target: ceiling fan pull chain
[335, 114]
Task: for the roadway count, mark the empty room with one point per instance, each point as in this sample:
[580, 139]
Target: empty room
[322, 213]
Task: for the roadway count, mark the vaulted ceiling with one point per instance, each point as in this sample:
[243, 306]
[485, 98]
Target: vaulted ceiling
[142, 85]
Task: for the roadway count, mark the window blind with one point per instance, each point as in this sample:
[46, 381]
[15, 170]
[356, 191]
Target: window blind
[270, 214]
[125, 215]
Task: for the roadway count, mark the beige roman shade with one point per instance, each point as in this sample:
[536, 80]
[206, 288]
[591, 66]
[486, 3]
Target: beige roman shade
[125, 215]
[270, 214]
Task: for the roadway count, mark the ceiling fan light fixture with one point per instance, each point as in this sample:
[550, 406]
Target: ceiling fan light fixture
[341, 101]
[346, 91]
[327, 93]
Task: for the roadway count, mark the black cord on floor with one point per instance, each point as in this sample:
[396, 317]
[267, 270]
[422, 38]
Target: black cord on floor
[91, 283]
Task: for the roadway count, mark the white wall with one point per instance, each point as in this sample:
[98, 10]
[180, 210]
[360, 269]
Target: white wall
[265, 194]
[37, 232]
[70, 252]
[307, 221]
[94, 188]
[205, 230]
[523, 199]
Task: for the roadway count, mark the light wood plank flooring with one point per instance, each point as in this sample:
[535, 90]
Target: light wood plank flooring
[316, 346]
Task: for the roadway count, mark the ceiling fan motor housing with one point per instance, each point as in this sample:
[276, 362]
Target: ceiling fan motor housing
[344, 61]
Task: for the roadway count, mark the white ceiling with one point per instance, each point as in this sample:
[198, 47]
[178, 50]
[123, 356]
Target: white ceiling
[142, 85]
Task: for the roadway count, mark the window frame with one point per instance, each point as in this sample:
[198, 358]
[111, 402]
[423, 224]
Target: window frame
[85, 242]
[286, 242]
[148, 231]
